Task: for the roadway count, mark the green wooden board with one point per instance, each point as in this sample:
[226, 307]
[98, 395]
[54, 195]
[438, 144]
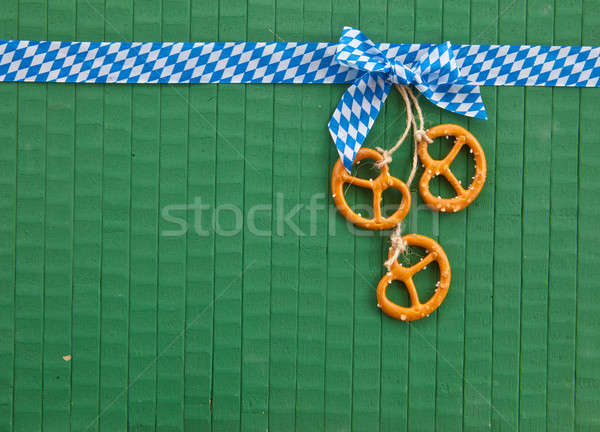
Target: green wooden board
[233, 329]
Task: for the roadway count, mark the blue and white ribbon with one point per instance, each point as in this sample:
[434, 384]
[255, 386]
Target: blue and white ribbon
[434, 73]
[448, 75]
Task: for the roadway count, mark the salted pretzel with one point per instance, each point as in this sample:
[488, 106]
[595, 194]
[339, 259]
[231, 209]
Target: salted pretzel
[435, 167]
[417, 310]
[383, 181]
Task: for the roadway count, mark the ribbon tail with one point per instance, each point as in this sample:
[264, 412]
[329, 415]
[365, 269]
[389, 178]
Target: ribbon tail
[355, 114]
[462, 98]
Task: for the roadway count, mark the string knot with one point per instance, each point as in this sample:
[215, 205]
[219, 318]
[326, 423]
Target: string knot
[421, 135]
[398, 246]
[387, 157]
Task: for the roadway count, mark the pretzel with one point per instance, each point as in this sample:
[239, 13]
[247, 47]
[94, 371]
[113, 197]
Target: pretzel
[436, 167]
[405, 274]
[384, 180]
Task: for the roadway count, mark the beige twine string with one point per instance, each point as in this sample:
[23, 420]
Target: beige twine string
[410, 120]
[410, 100]
[419, 134]
[398, 244]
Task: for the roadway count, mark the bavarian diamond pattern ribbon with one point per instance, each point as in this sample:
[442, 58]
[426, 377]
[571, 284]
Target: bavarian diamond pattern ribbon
[434, 73]
[447, 75]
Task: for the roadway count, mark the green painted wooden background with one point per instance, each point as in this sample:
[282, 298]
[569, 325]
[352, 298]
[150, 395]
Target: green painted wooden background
[280, 332]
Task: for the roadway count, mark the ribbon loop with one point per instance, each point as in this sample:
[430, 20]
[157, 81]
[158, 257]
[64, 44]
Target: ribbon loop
[434, 73]
[357, 51]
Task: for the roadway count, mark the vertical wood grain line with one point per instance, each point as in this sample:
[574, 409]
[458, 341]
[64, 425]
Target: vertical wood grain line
[202, 145]
[59, 232]
[173, 202]
[340, 272]
[587, 382]
[423, 340]
[562, 284]
[453, 231]
[368, 266]
[477, 379]
[115, 280]
[536, 231]
[285, 244]
[87, 231]
[8, 206]
[229, 234]
[508, 235]
[144, 233]
[258, 193]
[313, 240]
[395, 334]
[30, 238]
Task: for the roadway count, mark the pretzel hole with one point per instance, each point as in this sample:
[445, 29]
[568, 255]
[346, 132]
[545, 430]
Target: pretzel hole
[358, 198]
[440, 186]
[391, 199]
[397, 293]
[460, 167]
[425, 280]
[411, 256]
[365, 169]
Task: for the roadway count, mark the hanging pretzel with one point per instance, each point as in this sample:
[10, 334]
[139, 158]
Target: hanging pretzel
[384, 180]
[417, 310]
[436, 167]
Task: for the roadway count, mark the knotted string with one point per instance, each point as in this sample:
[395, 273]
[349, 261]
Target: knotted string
[398, 245]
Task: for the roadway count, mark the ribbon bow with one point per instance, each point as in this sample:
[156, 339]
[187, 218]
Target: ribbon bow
[434, 73]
